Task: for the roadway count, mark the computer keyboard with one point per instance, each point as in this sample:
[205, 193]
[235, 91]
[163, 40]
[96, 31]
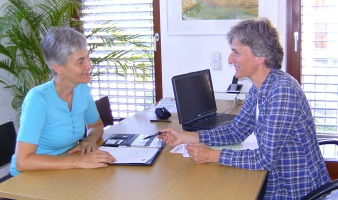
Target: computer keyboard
[211, 122]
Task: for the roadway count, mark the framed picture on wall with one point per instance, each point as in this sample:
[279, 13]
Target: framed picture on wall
[206, 17]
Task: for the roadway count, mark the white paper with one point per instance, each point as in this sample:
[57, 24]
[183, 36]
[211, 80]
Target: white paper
[168, 103]
[131, 154]
[249, 143]
[181, 149]
[140, 141]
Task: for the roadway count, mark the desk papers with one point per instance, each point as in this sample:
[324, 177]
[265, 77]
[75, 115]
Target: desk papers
[168, 103]
[249, 143]
[132, 140]
[132, 155]
[180, 149]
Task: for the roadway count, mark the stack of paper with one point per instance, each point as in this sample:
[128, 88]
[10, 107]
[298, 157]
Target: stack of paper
[132, 155]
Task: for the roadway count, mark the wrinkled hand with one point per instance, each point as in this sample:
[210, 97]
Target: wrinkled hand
[201, 153]
[96, 159]
[84, 147]
[171, 137]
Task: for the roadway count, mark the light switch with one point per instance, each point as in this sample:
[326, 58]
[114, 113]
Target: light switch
[216, 56]
[216, 65]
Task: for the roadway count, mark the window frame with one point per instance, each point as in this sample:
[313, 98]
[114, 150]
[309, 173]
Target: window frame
[293, 18]
[157, 53]
[293, 58]
[157, 62]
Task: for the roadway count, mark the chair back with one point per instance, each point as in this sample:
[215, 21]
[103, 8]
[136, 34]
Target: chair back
[328, 190]
[103, 107]
[7, 142]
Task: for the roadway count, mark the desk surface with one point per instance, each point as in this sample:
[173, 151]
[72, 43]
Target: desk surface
[171, 176]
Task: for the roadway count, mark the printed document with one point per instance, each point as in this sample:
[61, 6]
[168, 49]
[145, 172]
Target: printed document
[131, 154]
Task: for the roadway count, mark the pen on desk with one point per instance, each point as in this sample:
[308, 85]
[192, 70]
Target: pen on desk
[159, 120]
[156, 134]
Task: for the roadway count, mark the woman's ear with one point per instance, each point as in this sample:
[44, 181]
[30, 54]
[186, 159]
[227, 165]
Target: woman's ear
[57, 68]
[261, 60]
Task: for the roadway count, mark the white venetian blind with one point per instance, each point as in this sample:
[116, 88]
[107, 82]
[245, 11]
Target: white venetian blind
[319, 56]
[127, 95]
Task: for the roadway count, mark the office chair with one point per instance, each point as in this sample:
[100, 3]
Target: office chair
[7, 142]
[329, 188]
[7, 145]
[105, 112]
[322, 191]
[103, 106]
[331, 163]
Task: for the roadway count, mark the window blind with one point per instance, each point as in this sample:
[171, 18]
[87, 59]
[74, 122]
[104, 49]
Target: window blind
[128, 94]
[319, 58]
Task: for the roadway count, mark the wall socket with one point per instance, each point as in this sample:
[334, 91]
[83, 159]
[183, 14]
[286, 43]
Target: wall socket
[216, 65]
[216, 62]
[216, 56]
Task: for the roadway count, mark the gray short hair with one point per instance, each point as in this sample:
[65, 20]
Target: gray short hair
[261, 37]
[59, 43]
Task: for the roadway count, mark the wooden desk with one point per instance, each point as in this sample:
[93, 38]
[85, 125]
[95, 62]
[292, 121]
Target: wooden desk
[171, 176]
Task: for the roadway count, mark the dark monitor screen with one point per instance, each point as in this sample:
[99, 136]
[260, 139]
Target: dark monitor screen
[194, 95]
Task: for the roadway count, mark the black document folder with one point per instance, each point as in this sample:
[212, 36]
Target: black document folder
[132, 140]
[132, 149]
[135, 156]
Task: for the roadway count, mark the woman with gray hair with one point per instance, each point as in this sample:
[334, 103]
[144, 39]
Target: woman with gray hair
[54, 113]
[276, 111]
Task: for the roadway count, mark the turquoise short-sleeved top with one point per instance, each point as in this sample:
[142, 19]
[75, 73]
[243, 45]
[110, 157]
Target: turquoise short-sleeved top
[47, 122]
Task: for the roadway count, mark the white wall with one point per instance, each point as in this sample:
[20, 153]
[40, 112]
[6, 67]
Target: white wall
[6, 110]
[182, 53]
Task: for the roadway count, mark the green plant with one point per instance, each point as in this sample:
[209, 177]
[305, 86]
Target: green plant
[25, 23]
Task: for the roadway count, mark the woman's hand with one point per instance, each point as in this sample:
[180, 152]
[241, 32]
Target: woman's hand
[85, 147]
[201, 153]
[96, 159]
[28, 160]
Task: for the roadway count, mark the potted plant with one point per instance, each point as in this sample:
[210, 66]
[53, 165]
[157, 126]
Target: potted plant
[25, 23]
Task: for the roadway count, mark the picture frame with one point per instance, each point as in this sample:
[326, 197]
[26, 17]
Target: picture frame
[177, 26]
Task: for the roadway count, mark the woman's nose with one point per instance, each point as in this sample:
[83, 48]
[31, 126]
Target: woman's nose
[89, 64]
[231, 59]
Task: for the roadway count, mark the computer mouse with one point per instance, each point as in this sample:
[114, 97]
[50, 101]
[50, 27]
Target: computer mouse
[162, 113]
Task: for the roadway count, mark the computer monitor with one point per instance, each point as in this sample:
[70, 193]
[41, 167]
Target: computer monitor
[194, 95]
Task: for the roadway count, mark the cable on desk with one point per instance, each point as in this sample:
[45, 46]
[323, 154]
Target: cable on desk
[236, 103]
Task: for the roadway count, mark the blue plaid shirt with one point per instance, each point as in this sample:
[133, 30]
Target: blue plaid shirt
[286, 136]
